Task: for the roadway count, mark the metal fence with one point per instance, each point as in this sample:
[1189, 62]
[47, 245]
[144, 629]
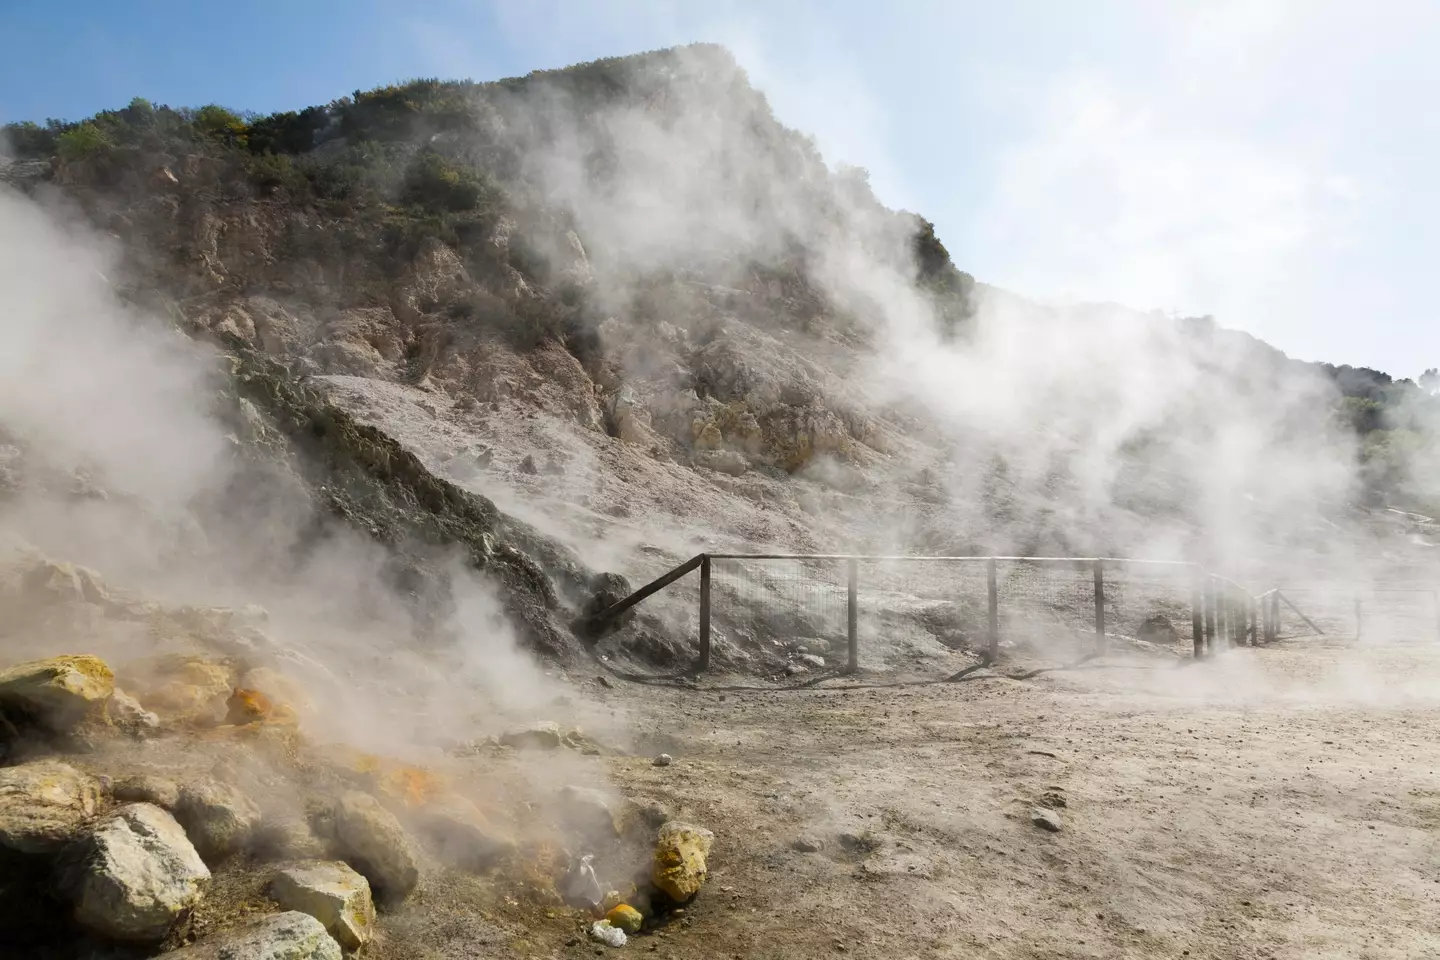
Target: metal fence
[1394, 611]
[826, 603]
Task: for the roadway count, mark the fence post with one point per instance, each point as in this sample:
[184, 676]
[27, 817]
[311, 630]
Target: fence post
[1359, 618]
[1210, 600]
[1274, 615]
[1197, 614]
[1254, 606]
[704, 662]
[992, 617]
[852, 624]
[1099, 607]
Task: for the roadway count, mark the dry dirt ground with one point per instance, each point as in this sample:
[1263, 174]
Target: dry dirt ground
[1275, 803]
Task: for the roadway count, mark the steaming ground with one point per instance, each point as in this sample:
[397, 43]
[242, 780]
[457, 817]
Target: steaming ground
[1279, 803]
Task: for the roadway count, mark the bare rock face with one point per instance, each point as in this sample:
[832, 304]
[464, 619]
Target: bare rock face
[332, 893]
[372, 839]
[219, 819]
[722, 461]
[283, 936]
[679, 865]
[43, 805]
[59, 692]
[139, 876]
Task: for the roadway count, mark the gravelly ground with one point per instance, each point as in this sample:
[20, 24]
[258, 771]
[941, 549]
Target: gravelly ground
[1280, 803]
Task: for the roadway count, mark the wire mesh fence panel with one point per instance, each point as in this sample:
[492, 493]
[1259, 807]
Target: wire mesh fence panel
[1150, 602]
[1317, 608]
[1398, 614]
[1047, 604]
[927, 608]
[796, 601]
[922, 606]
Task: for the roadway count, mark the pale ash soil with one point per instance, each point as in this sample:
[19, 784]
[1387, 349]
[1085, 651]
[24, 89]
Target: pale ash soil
[1283, 803]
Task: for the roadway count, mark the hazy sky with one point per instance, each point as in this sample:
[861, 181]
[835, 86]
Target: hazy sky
[1271, 163]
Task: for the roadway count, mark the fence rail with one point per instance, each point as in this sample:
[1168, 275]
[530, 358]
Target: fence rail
[1017, 598]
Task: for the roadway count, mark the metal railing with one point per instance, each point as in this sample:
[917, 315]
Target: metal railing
[1219, 611]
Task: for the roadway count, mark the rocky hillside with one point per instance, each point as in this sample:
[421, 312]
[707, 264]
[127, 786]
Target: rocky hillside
[601, 318]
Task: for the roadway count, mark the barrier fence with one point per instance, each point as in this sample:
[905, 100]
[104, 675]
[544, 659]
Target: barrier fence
[828, 600]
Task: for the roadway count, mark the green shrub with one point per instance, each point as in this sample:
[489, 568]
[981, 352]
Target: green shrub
[29, 140]
[288, 132]
[82, 141]
[275, 170]
[435, 183]
[217, 123]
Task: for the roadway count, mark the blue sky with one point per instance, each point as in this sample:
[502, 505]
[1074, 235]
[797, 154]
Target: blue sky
[1273, 163]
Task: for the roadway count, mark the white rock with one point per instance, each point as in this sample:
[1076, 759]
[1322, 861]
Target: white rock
[608, 934]
[43, 805]
[283, 936]
[140, 875]
[332, 893]
[1047, 820]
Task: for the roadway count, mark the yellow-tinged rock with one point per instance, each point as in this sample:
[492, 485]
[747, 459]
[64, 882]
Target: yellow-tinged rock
[281, 691]
[247, 706]
[190, 689]
[625, 917]
[58, 692]
[679, 865]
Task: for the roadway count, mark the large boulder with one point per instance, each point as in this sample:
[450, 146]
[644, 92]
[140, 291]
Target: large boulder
[219, 819]
[332, 893]
[283, 936]
[57, 693]
[140, 874]
[678, 868]
[373, 841]
[43, 805]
